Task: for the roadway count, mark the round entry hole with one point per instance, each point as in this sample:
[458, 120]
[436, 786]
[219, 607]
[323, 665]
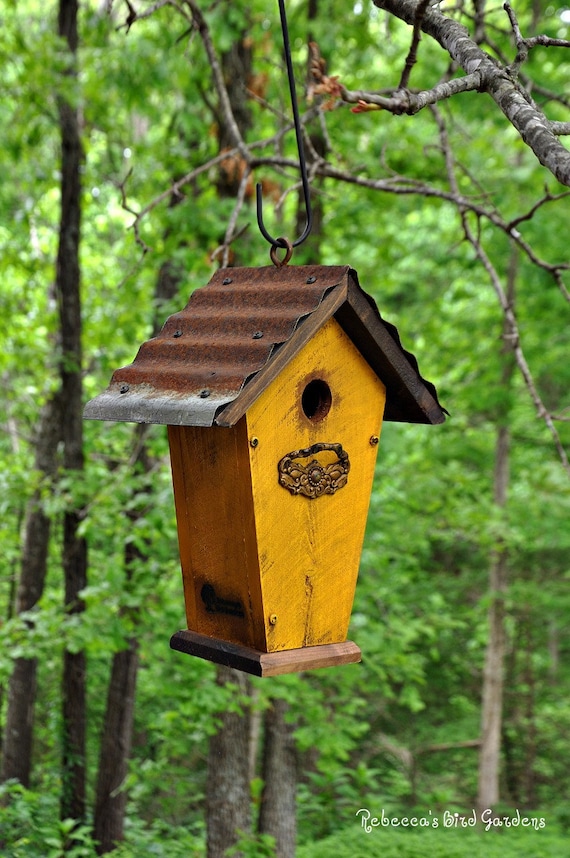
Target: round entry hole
[316, 400]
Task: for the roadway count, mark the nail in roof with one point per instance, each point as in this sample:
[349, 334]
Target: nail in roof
[217, 356]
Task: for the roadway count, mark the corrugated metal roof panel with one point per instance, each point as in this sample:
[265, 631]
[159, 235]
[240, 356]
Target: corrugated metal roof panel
[226, 333]
[230, 331]
[147, 404]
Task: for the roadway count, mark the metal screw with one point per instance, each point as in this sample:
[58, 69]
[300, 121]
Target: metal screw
[226, 281]
[177, 334]
[204, 393]
[374, 440]
[124, 388]
[311, 280]
[254, 442]
[273, 619]
[257, 335]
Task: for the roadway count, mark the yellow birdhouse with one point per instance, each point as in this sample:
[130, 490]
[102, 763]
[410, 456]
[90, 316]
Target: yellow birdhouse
[273, 383]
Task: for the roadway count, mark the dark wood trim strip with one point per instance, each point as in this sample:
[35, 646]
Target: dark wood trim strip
[265, 663]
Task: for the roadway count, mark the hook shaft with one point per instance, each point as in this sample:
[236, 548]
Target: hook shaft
[281, 242]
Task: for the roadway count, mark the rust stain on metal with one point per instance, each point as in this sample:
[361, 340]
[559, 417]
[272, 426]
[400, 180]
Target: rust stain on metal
[228, 330]
[245, 321]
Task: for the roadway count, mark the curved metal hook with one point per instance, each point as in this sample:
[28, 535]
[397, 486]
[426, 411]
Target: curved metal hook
[281, 242]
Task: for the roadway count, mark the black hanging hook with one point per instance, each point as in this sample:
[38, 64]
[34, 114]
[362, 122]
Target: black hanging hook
[283, 242]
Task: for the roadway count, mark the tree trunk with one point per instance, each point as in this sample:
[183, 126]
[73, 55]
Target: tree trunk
[493, 672]
[18, 731]
[116, 739]
[117, 734]
[228, 810]
[530, 719]
[277, 815]
[111, 797]
[74, 547]
[492, 707]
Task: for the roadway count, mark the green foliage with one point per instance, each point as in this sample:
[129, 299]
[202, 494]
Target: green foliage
[30, 828]
[252, 846]
[159, 839]
[364, 733]
[440, 843]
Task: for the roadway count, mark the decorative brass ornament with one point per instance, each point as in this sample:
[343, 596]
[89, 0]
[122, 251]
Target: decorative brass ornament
[314, 479]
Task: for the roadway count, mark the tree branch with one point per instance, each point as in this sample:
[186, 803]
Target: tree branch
[496, 80]
[412, 57]
[231, 235]
[524, 46]
[405, 101]
[218, 77]
[511, 325]
[479, 70]
[133, 15]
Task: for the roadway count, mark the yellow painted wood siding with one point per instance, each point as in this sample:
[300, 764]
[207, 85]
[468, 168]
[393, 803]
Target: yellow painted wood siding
[309, 549]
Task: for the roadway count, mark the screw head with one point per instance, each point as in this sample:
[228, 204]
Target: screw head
[226, 281]
[204, 393]
[177, 334]
[254, 442]
[272, 619]
[257, 335]
[374, 440]
[311, 280]
[124, 388]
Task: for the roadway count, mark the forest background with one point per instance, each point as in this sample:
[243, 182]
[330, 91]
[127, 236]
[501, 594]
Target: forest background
[132, 135]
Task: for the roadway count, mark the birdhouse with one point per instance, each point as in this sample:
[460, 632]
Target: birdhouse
[273, 383]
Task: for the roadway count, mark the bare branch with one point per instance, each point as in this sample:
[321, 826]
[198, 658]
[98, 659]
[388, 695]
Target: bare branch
[561, 129]
[133, 15]
[405, 101]
[231, 234]
[481, 74]
[496, 80]
[563, 416]
[412, 57]
[404, 186]
[219, 83]
[511, 325]
[122, 187]
[524, 46]
[547, 198]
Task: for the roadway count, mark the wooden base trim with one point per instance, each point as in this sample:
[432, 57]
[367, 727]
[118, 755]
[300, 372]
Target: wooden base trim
[264, 663]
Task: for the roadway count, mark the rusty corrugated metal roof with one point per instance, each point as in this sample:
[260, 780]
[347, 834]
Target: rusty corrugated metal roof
[198, 367]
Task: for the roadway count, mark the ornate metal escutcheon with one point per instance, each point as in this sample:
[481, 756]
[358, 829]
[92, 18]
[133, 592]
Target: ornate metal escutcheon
[314, 479]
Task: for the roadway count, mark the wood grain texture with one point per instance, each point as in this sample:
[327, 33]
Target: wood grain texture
[263, 567]
[216, 531]
[262, 663]
[309, 549]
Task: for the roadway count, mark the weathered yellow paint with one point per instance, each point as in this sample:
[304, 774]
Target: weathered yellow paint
[283, 567]
[309, 549]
